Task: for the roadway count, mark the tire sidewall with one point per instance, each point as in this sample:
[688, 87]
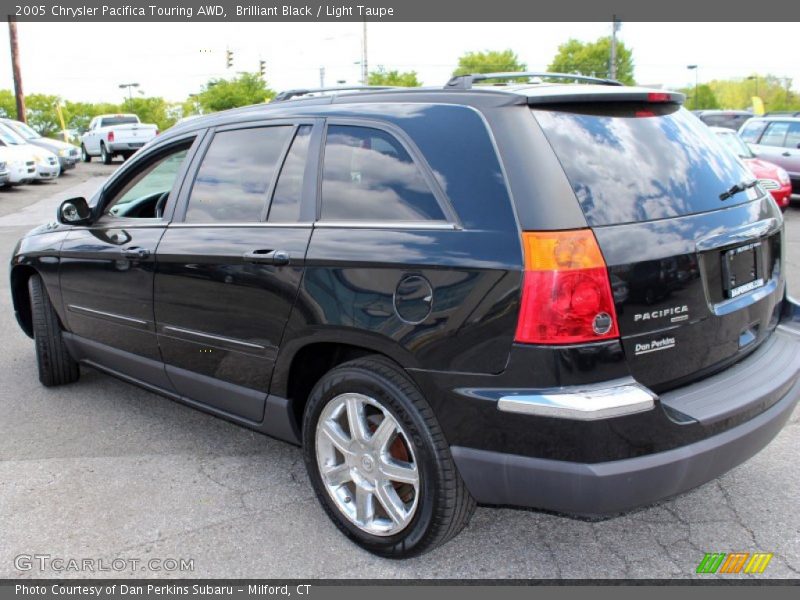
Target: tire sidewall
[357, 380]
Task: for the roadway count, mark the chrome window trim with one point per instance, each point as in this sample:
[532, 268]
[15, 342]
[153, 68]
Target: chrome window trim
[439, 225]
[223, 224]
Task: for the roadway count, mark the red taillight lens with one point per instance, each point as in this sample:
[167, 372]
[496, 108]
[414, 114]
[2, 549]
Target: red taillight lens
[566, 293]
[110, 136]
[157, 132]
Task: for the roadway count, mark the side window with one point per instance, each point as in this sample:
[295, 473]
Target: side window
[751, 131]
[369, 176]
[793, 136]
[775, 134]
[235, 175]
[145, 193]
[285, 207]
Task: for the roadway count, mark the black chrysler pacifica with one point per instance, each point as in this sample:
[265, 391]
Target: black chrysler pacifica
[562, 294]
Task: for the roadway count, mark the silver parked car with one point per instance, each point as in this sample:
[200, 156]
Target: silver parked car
[68, 154]
[777, 140]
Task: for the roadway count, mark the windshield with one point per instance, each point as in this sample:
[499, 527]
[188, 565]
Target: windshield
[23, 130]
[9, 137]
[627, 164]
[732, 141]
[119, 121]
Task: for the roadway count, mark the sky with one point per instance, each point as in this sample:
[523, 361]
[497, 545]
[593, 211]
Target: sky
[88, 61]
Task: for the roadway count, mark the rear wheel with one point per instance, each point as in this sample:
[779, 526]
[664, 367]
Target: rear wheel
[105, 156]
[56, 366]
[379, 463]
[85, 156]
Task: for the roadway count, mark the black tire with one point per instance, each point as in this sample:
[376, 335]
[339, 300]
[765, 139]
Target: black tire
[104, 155]
[85, 156]
[56, 366]
[444, 505]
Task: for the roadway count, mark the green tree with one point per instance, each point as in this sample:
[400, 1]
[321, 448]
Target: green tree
[489, 61]
[78, 114]
[8, 104]
[706, 99]
[593, 59]
[776, 92]
[402, 79]
[41, 113]
[151, 110]
[242, 90]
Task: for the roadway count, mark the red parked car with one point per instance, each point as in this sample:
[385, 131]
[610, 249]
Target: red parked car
[773, 178]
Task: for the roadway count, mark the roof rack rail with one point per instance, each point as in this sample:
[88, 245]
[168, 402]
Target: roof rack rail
[464, 82]
[286, 95]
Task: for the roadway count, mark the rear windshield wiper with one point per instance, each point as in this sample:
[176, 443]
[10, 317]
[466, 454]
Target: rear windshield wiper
[739, 187]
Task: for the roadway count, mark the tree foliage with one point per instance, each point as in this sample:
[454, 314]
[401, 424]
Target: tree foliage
[489, 61]
[402, 79]
[703, 99]
[593, 59]
[776, 92]
[242, 90]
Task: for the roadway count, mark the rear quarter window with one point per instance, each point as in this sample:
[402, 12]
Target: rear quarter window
[752, 131]
[369, 176]
[626, 168]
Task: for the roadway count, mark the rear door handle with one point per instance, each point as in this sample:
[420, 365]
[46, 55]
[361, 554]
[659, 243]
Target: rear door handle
[267, 257]
[787, 153]
[135, 252]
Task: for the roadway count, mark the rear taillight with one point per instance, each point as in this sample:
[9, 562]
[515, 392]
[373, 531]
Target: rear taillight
[566, 292]
[110, 136]
[157, 132]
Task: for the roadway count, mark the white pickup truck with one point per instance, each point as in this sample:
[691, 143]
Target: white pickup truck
[109, 135]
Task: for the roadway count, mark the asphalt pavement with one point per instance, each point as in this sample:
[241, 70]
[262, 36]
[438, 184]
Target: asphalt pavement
[103, 470]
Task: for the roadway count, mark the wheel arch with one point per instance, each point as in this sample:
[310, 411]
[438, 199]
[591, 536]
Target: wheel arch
[303, 362]
[20, 296]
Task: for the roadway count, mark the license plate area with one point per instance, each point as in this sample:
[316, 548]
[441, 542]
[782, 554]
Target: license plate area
[742, 270]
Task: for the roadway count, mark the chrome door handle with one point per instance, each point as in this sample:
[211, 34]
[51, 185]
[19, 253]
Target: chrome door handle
[135, 252]
[267, 257]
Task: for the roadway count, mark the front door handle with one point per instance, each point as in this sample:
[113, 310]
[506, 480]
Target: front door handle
[787, 153]
[267, 257]
[135, 252]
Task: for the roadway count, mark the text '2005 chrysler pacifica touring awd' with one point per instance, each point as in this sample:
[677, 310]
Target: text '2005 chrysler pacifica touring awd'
[556, 294]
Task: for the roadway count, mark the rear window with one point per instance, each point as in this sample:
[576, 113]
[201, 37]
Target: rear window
[626, 168]
[727, 121]
[108, 121]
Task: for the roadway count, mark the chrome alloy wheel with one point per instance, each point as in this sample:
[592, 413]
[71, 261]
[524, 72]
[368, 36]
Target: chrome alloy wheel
[367, 464]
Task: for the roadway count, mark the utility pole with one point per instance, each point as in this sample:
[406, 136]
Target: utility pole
[18, 93]
[364, 63]
[612, 67]
[322, 77]
[696, 70]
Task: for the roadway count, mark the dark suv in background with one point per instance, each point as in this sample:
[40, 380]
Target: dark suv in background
[554, 295]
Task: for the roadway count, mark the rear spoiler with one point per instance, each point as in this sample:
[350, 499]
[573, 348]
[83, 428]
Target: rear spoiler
[572, 95]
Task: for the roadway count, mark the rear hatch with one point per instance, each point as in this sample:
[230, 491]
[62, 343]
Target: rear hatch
[695, 266]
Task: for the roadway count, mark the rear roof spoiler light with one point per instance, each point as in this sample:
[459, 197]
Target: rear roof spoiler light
[572, 96]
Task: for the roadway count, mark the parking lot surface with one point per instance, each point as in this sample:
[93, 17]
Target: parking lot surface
[101, 469]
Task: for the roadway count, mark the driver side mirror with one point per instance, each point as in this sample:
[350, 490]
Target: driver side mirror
[74, 211]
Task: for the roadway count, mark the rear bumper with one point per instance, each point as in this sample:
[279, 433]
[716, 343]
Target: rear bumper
[124, 146]
[616, 486]
[758, 393]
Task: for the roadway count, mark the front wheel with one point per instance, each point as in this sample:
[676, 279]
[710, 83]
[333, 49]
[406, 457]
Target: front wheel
[85, 156]
[379, 463]
[56, 366]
